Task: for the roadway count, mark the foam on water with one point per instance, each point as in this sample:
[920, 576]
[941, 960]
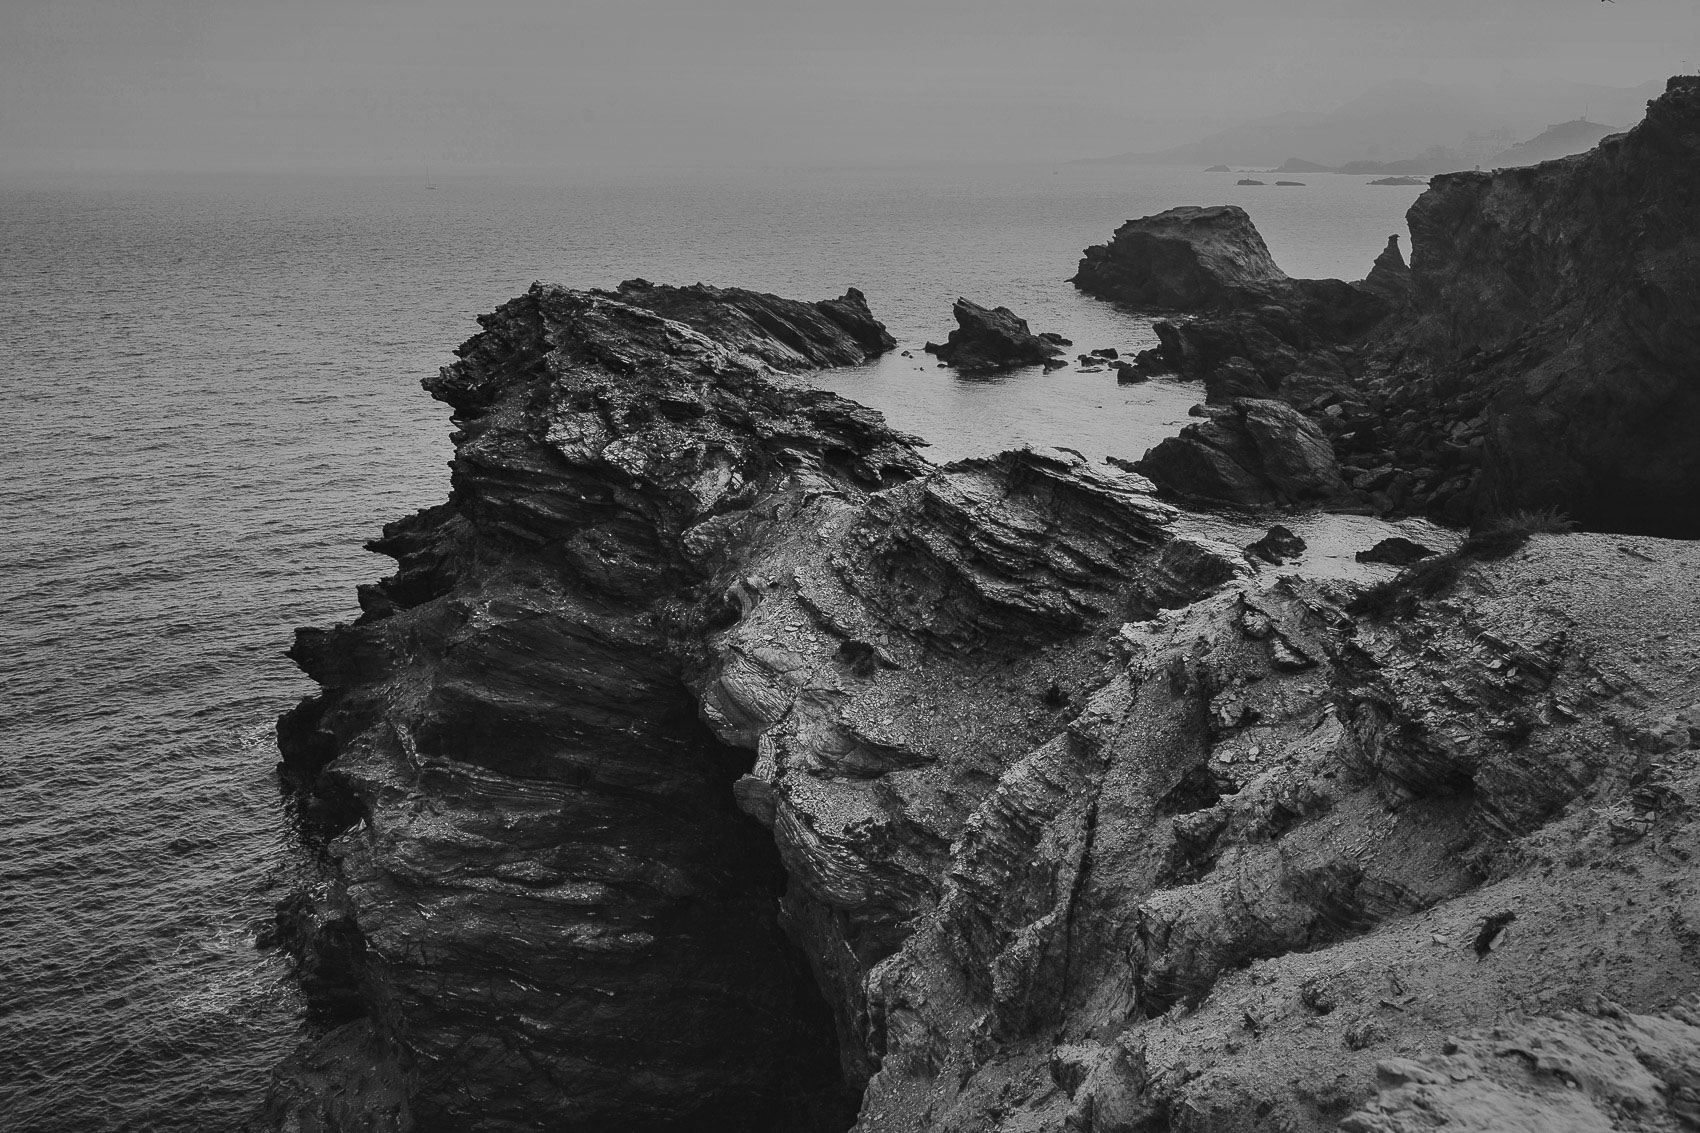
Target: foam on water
[212, 403]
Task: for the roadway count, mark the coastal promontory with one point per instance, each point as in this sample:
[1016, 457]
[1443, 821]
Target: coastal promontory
[712, 760]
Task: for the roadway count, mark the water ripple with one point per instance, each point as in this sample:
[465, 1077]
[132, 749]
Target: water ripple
[213, 403]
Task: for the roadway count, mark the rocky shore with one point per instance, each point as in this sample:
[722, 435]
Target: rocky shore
[1538, 351]
[713, 761]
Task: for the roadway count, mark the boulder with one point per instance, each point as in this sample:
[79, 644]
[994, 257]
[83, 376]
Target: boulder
[1235, 377]
[1152, 361]
[1184, 259]
[1396, 551]
[1277, 546]
[993, 338]
[1262, 453]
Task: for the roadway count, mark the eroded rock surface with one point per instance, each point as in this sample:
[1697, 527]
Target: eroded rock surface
[1599, 1070]
[712, 761]
[546, 903]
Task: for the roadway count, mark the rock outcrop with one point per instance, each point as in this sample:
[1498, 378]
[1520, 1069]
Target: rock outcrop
[1538, 352]
[545, 902]
[712, 761]
[1390, 277]
[1281, 847]
[995, 338]
[1187, 259]
[1261, 453]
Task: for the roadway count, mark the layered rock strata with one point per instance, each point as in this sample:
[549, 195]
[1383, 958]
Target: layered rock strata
[1285, 846]
[544, 901]
[712, 761]
[1538, 352]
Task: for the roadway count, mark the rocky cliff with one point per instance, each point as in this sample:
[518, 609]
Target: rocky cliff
[1539, 352]
[995, 338]
[712, 761]
[545, 907]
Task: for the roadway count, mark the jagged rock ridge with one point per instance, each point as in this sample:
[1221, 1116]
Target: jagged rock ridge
[1076, 815]
[557, 914]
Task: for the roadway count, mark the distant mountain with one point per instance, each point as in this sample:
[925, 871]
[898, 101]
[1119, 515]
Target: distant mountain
[1561, 140]
[1393, 120]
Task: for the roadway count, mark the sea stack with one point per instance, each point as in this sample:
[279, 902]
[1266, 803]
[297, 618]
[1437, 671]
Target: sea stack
[995, 338]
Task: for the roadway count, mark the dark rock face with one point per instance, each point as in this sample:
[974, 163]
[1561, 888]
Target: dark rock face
[1390, 277]
[1277, 545]
[994, 338]
[1564, 301]
[560, 917]
[1260, 454]
[1538, 352]
[1186, 259]
[1396, 551]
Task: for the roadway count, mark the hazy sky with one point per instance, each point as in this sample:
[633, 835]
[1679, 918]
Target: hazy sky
[392, 83]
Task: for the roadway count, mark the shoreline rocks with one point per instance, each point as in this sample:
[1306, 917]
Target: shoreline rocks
[711, 760]
[988, 339]
[1262, 453]
[1186, 258]
[1537, 352]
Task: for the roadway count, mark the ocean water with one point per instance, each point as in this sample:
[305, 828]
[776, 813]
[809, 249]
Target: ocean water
[212, 401]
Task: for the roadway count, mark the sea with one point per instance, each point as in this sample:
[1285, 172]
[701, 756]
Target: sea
[211, 385]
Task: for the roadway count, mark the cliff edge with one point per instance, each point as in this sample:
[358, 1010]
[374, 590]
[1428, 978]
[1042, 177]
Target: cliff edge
[712, 761]
[1540, 351]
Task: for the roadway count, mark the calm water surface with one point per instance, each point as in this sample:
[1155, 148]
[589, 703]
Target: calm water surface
[212, 395]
